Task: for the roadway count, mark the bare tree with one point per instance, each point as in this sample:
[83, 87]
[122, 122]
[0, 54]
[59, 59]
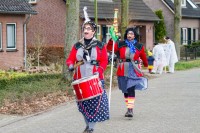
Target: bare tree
[177, 19]
[34, 54]
[39, 47]
[72, 29]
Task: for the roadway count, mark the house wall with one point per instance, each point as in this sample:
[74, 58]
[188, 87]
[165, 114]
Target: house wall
[49, 23]
[193, 23]
[53, 31]
[15, 58]
[167, 13]
[196, 0]
[169, 17]
[146, 30]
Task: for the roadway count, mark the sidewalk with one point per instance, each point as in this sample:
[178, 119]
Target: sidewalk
[170, 105]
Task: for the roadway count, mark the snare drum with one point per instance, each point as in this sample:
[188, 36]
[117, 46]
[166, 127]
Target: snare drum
[87, 87]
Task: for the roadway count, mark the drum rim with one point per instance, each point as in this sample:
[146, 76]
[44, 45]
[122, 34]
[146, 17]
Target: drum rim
[81, 80]
[88, 98]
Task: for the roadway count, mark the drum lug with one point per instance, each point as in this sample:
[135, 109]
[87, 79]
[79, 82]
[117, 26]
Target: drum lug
[80, 91]
[100, 84]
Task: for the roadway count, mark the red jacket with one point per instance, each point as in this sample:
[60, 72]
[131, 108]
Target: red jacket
[99, 54]
[124, 53]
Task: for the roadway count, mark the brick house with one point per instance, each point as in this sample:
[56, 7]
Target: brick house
[190, 22]
[50, 21]
[140, 15]
[14, 16]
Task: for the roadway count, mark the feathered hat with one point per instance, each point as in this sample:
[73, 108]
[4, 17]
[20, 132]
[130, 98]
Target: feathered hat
[87, 19]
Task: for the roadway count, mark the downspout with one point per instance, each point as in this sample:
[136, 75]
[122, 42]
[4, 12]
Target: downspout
[25, 45]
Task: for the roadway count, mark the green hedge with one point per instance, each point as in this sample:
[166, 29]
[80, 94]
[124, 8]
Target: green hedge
[193, 45]
[26, 79]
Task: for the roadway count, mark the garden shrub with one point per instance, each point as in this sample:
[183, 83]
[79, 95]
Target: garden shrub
[25, 79]
[160, 28]
[50, 54]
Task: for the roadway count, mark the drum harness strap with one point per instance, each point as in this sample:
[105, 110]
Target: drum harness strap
[97, 109]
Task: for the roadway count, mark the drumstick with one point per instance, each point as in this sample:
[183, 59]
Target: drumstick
[70, 73]
[78, 64]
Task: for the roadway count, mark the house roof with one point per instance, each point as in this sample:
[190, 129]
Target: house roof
[187, 11]
[16, 7]
[138, 10]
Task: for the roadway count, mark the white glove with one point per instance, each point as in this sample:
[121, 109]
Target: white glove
[96, 73]
[71, 67]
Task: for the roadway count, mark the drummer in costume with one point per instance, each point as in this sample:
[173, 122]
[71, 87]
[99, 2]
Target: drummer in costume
[130, 76]
[94, 55]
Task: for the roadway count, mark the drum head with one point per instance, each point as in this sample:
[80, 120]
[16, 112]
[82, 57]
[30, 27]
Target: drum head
[84, 79]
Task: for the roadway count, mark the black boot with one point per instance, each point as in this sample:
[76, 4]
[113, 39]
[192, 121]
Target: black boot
[129, 113]
[90, 130]
[86, 129]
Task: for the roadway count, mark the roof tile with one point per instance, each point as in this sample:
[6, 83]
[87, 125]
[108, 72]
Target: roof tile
[189, 11]
[16, 7]
[137, 8]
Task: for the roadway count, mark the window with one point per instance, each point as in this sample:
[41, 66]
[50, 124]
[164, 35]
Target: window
[108, 36]
[32, 1]
[98, 30]
[0, 36]
[11, 36]
[195, 35]
[184, 35]
[183, 3]
[189, 35]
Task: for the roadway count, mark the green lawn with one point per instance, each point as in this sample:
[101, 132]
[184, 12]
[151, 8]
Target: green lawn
[184, 65]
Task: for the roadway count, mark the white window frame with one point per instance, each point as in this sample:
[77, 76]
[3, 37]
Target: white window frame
[185, 35]
[183, 3]
[8, 37]
[196, 34]
[192, 4]
[108, 36]
[98, 30]
[1, 36]
[32, 1]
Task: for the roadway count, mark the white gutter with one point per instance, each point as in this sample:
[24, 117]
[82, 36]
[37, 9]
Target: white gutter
[25, 45]
[168, 7]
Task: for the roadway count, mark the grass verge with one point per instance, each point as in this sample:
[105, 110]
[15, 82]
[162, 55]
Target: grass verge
[185, 65]
[36, 94]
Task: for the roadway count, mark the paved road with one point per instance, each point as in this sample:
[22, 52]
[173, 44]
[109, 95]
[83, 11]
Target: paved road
[170, 105]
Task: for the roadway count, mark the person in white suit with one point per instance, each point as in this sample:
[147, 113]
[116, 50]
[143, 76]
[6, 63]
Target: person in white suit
[171, 55]
[160, 59]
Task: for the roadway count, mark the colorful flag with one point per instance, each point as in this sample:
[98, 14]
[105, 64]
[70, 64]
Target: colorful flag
[112, 33]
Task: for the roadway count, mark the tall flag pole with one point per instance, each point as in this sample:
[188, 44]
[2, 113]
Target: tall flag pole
[113, 30]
